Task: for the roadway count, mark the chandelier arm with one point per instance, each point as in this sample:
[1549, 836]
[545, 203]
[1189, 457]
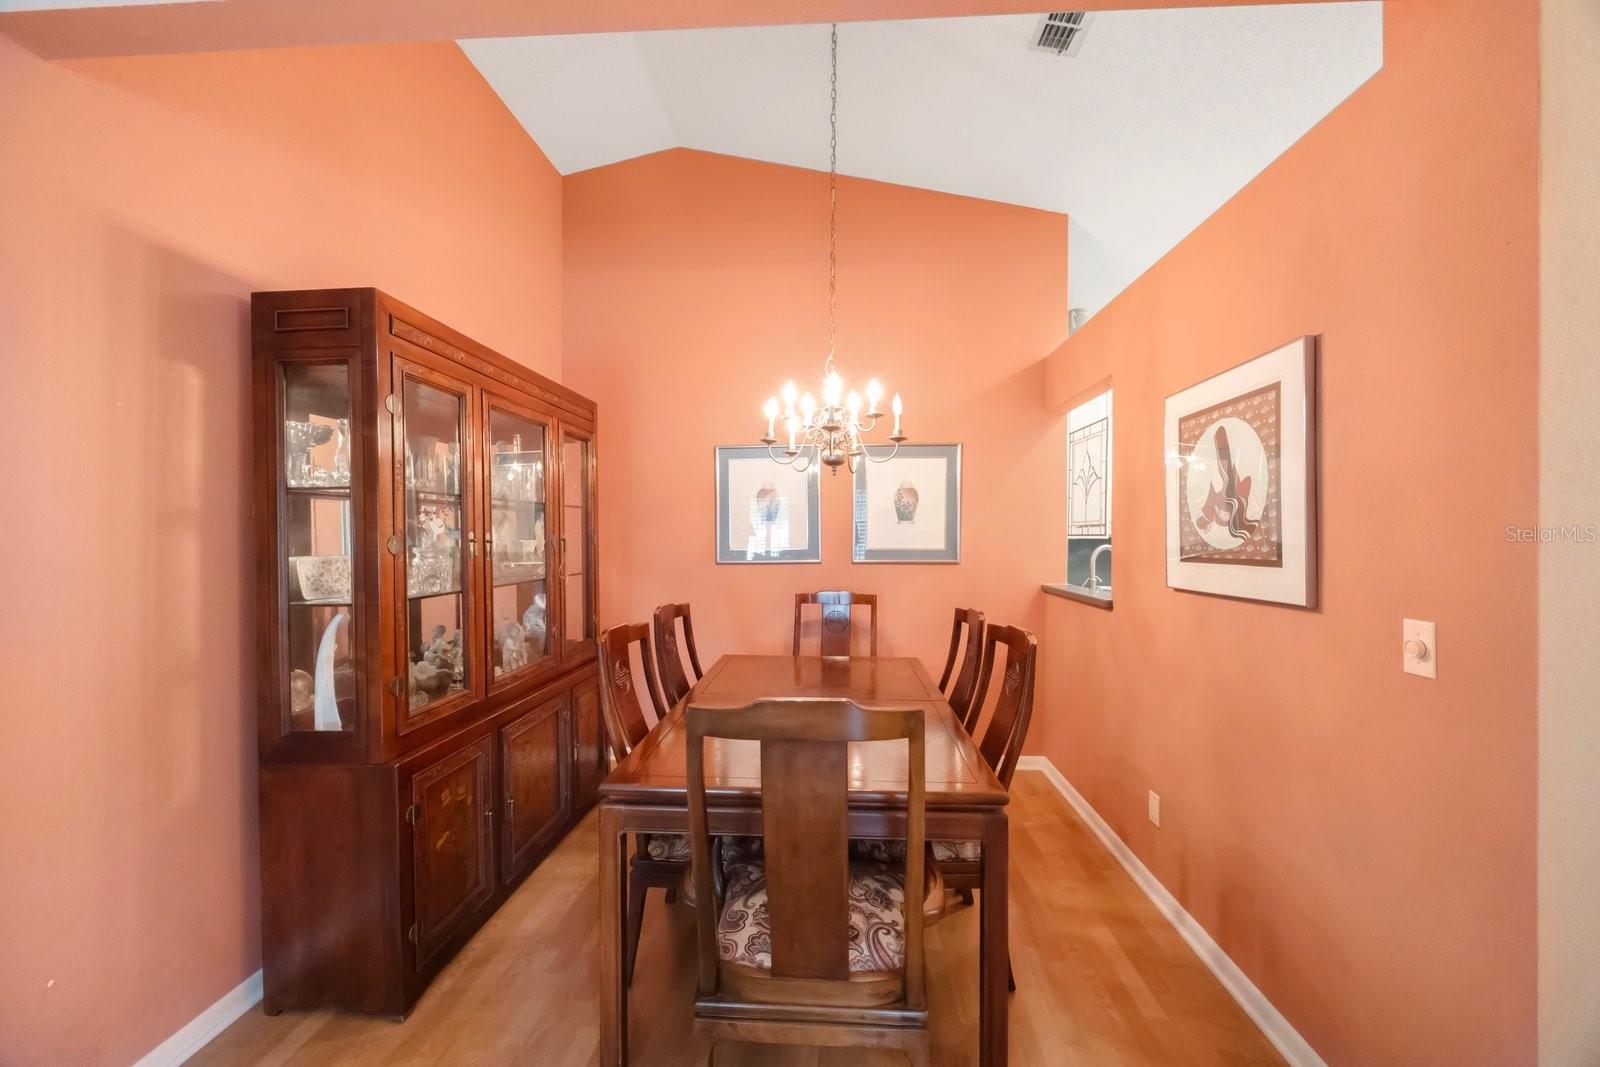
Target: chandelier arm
[894, 452]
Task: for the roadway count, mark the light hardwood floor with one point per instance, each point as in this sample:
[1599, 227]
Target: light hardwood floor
[1102, 979]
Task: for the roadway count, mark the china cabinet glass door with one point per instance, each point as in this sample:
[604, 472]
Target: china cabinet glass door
[516, 536]
[439, 543]
[319, 598]
[577, 542]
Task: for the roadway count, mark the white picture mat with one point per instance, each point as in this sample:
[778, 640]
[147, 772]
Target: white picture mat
[1289, 584]
[927, 533]
[792, 531]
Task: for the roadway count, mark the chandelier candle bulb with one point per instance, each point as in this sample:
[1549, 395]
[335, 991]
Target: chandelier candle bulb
[771, 411]
[896, 407]
[874, 394]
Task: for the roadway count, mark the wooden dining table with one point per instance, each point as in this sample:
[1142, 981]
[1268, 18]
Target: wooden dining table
[647, 793]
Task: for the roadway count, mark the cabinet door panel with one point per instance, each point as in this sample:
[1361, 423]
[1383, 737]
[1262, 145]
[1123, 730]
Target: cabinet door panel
[518, 532]
[434, 433]
[578, 623]
[589, 746]
[452, 844]
[538, 795]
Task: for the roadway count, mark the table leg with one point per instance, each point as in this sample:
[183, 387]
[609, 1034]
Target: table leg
[994, 947]
[613, 939]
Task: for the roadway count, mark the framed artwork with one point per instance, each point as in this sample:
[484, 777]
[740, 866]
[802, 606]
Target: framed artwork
[1241, 480]
[766, 512]
[908, 509]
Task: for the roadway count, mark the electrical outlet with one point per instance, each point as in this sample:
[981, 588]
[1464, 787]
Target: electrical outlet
[1155, 807]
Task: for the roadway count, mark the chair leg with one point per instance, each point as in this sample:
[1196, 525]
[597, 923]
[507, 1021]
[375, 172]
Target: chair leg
[916, 1049]
[637, 888]
[705, 1045]
[672, 893]
[966, 897]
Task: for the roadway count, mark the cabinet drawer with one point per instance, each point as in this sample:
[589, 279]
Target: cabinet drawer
[452, 843]
[536, 783]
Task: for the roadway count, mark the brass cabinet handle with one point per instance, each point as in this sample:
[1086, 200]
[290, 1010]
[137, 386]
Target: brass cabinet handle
[472, 545]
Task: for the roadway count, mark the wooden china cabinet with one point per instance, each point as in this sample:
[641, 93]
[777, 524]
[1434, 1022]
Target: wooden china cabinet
[429, 713]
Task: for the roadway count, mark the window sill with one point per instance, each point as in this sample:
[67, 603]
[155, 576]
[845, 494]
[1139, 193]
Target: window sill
[1080, 594]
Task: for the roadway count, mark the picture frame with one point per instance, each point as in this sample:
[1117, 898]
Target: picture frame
[767, 512]
[908, 509]
[1241, 487]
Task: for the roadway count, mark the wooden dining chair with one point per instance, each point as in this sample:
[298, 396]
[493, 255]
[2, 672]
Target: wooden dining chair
[836, 627]
[658, 859]
[675, 684]
[971, 654]
[803, 946]
[961, 862]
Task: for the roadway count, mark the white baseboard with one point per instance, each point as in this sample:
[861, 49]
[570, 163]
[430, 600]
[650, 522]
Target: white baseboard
[1283, 1036]
[205, 1026]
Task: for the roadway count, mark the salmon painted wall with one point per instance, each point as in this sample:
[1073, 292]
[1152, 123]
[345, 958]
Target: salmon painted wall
[1360, 841]
[142, 201]
[696, 284]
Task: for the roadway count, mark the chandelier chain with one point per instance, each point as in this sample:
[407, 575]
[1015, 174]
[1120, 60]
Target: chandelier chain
[834, 433]
[833, 193]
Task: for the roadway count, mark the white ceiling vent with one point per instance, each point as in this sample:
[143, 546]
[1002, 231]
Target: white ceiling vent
[1061, 32]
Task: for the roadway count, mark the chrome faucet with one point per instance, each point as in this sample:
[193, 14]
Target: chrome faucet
[1094, 558]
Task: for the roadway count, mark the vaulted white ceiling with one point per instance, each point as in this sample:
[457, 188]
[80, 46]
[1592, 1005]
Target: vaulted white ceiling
[1159, 118]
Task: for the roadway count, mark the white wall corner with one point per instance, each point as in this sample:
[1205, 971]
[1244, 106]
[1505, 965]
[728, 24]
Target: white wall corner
[1284, 1037]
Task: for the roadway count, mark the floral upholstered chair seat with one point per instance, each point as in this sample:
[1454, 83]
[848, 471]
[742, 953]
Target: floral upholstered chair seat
[735, 849]
[888, 851]
[876, 904]
[667, 847]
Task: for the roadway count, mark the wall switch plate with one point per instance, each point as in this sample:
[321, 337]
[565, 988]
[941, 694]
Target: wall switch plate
[1155, 807]
[1419, 648]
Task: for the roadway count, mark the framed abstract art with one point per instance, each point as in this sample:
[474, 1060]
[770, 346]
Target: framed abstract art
[766, 512]
[1241, 480]
[908, 509]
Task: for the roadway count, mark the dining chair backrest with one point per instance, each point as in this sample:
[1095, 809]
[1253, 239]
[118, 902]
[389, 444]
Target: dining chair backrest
[971, 656]
[1003, 737]
[835, 624]
[804, 821]
[621, 701]
[674, 683]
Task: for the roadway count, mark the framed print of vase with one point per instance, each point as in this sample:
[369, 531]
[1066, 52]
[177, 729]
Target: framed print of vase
[908, 509]
[1241, 480]
[766, 512]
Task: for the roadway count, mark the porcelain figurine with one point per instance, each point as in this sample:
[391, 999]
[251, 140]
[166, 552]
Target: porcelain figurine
[533, 621]
[301, 688]
[324, 698]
